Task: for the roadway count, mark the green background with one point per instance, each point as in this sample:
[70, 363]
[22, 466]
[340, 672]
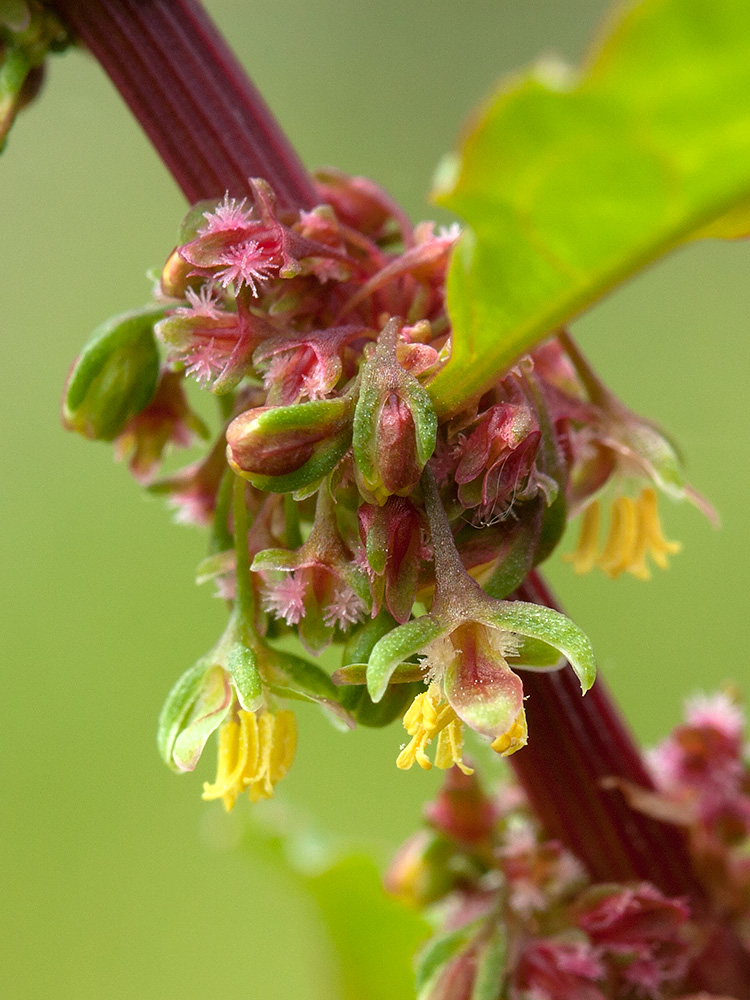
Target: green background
[117, 881]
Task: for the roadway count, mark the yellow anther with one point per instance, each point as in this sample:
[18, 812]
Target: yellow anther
[587, 551]
[657, 545]
[255, 752]
[429, 716]
[515, 738]
[450, 748]
[618, 551]
[635, 533]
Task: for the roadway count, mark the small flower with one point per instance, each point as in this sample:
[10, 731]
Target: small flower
[212, 344]
[192, 491]
[466, 641]
[497, 462]
[247, 247]
[394, 551]
[228, 214]
[632, 458]
[167, 419]
[395, 426]
[286, 598]
[316, 588]
[256, 749]
[248, 264]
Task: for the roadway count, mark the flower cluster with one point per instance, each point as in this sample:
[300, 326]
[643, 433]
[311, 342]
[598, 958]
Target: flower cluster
[518, 911]
[340, 508]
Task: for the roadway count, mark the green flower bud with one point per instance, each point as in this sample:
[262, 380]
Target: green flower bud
[395, 425]
[114, 377]
[286, 448]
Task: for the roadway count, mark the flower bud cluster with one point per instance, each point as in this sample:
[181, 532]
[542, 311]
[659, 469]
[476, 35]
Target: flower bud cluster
[519, 913]
[359, 518]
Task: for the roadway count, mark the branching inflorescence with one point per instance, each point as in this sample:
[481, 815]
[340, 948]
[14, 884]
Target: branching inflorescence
[341, 509]
[346, 509]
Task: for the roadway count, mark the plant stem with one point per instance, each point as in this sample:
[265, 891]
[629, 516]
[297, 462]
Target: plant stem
[576, 742]
[193, 99]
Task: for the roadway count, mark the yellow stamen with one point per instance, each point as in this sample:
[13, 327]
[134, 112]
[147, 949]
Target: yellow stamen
[658, 546]
[634, 533]
[516, 737]
[621, 539]
[586, 552]
[429, 716]
[255, 752]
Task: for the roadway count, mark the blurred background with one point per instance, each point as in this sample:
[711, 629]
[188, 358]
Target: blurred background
[117, 881]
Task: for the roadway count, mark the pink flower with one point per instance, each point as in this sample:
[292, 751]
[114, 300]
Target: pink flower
[557, 970]
[639, 932]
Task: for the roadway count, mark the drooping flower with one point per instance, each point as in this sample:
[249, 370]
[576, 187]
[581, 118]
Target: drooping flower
[466, 642]
[619, 453]
[167, 419]
[394, 551]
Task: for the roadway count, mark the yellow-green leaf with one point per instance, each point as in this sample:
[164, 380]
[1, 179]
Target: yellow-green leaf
[571, 182]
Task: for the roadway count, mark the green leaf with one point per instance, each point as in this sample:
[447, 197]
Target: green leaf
[572, 183]
[438, 952]
[489, 981]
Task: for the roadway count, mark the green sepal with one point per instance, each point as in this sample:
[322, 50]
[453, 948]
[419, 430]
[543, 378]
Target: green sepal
[290, 676]
[391, 706]
[519, 546]
[436, 954]
[194, 220]
[242, 663]
[554, 523]
[212, 566]
[268, 560]
[489, 981]
[115, 376]
[362, 640]
[207, 713]
[180, 700]
[550, 627]
[536, 655]
[398, 645]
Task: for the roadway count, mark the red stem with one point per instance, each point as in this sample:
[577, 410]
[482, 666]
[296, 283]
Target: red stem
[213, 131]
[575, 742]
[194, 100]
